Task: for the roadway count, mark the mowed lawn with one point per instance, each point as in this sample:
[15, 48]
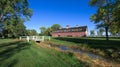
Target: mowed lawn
[14, 53]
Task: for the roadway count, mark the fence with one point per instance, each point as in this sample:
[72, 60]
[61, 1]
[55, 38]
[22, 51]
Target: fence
[35, 38]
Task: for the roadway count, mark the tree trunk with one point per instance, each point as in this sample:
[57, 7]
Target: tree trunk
[106, 31]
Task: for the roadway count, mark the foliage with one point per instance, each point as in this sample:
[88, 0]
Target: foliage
[47, 31]
[14, 8]
[114, 29]
[105, 16]
[116, 12]
[92, 33]
[14, 28]
[31, 32]
[13, 14]
[43, 29]
[55, 27]
[100, 32]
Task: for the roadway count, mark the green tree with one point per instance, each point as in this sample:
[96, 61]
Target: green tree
[104, 16]
[114, 29]
[31, 32]
[48, 32]
[14, 28]
[12, 15]
[100, 32]
[19, 30]
[116, 12]
[14, 8]
[55, 27]
[43, 29]
[92, 33]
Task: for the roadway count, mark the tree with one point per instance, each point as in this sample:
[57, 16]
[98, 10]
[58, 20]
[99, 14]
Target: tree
[100, 32]
[114, 29]
[19, 30]
[31, 32]
[43, 29]
[116, 12]
[14, 8]
[12, 15]
[48, 32]
[55, 27]
[104, 17]
[15, 28]
[92, 33]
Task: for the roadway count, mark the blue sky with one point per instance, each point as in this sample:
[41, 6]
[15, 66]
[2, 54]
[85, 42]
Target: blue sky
[63, 12]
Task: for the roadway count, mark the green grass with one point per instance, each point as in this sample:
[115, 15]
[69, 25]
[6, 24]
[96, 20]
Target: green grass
[99, 46]
[91, 42]
[22, 54]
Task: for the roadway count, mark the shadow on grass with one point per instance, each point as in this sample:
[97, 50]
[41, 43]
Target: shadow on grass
[9, 49]
[13, 62]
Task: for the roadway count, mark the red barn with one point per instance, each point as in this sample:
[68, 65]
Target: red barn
[78, 31]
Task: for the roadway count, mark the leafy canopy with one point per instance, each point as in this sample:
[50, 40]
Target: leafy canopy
[14, 8]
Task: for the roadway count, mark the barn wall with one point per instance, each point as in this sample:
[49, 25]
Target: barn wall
[69, 34]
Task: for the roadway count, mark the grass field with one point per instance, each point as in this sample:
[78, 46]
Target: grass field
[15, 53]
[110, 49]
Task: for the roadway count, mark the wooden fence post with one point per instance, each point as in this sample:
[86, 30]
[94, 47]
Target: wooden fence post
[28, 38]
[43, 38]
[49, 38]
[20, 38]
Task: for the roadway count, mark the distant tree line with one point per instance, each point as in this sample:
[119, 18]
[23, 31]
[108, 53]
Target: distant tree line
[100, 33]
[47, 31]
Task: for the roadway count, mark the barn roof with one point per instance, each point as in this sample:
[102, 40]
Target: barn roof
[72, 29]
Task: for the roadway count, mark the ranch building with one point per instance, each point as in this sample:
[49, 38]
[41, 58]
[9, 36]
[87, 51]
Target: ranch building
[78, 31]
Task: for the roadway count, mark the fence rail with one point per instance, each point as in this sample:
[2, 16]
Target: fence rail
[35, 38]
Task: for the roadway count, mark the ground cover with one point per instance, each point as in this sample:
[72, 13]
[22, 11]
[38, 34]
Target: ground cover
[110, 49]
[14, 53]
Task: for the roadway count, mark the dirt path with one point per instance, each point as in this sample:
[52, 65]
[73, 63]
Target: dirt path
[92, 62]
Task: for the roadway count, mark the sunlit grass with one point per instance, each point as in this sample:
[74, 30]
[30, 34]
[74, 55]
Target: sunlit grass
[22, 54]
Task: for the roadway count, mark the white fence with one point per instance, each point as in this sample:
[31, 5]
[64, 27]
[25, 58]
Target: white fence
[35, 38]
